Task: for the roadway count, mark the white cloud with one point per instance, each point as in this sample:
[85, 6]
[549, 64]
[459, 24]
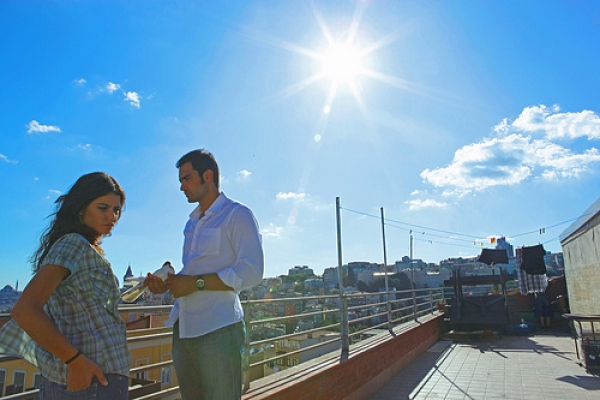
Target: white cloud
[112, 87]
[418, 204]
[6, 159]
[272, 231]
[53, 194]
[85, 147]
[36, 127]
[301, 200]
[243, 175]
[291, 195]
[521, 150]
[80, 81]
[133, 98]
[555, 124]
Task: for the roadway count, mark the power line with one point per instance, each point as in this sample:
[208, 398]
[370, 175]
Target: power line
[410, 227]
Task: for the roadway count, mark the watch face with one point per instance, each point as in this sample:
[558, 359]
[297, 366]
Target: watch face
[200, 283]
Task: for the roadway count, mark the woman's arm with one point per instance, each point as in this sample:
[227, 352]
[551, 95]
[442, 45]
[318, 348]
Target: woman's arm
[29, 314]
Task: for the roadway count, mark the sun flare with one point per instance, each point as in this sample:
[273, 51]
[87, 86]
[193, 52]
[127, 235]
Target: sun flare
[342, 63]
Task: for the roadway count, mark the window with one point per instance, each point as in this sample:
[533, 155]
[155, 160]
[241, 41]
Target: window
[37, 380]
[18, 382]
[139, 363]
[166, 373]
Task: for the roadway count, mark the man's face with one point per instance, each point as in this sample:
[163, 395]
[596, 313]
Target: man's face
[192, 184]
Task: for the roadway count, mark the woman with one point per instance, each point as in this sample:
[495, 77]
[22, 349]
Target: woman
[69, 309]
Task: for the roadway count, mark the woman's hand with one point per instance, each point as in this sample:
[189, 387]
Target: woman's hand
[80, 373]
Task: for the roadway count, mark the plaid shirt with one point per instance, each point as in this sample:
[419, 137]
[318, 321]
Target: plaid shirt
[84, 309]
[529, 283]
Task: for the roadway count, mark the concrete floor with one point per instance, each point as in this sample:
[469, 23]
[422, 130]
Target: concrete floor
[541, 366]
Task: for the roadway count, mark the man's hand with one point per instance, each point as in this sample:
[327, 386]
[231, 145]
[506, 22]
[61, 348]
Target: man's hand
[181, 285]
[155, 284]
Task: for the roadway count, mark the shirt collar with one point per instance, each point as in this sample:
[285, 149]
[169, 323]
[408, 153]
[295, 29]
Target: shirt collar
[214, 208]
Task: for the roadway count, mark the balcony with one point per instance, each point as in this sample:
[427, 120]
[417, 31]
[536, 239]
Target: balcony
[388, 347]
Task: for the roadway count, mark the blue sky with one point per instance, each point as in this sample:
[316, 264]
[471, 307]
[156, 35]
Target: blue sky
[463, 120]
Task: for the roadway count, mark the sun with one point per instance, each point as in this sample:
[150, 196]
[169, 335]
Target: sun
[342, 63]
[342, 60]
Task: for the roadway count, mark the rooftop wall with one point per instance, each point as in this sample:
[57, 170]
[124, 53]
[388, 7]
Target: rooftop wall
[370, 366]
[582, 268]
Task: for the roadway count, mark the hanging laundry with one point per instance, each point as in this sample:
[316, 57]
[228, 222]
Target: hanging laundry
[495, 256]
[531, 283]
[533, 260]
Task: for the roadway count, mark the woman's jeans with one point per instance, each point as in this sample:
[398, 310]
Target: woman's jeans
[117, 389]
[210, 366]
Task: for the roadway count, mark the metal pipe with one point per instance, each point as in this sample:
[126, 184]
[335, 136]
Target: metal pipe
[412, 267]
[343, 301]
[385, 270]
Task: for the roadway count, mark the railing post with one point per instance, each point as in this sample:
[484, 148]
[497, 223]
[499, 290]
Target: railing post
[415, 314]
[385, 271]
[412, 265]
[344, 328]
[246, 349]
[431, 300]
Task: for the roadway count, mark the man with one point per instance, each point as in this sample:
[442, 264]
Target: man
[222, 255]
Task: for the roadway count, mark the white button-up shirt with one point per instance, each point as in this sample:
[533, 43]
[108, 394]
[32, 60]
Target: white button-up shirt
[225, 241]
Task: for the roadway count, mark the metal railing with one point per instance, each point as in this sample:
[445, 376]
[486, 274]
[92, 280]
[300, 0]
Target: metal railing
[276, 327]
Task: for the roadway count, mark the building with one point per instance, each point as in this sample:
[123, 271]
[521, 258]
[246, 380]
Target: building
[311, 285]
[17, 376]
[330, 277]
[405, 263]
[581, 245]
[328, 342]
[8, 298]
[502, 244]
[301, 269]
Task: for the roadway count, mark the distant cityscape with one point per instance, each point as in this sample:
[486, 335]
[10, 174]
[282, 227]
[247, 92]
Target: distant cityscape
[358, 276]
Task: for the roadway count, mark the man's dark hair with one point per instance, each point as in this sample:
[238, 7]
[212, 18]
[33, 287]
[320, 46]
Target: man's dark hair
[201, 161]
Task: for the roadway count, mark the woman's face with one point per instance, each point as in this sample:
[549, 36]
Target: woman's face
[102, 214]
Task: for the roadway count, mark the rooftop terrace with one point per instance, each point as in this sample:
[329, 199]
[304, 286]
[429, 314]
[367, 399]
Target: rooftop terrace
[537, 367]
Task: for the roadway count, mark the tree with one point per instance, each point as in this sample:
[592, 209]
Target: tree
[362, 286]
[295, 278]
[400, 281]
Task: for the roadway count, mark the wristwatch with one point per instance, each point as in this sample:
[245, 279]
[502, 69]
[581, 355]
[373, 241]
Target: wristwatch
[200, 282]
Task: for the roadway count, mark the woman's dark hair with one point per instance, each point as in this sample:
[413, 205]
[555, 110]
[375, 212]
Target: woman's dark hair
[201, 161]
[68, 209]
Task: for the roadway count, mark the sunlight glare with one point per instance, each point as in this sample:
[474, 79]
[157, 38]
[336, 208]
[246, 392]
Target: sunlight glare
[342, 63]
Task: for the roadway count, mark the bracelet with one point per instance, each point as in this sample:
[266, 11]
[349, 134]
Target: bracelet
[74, 357]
